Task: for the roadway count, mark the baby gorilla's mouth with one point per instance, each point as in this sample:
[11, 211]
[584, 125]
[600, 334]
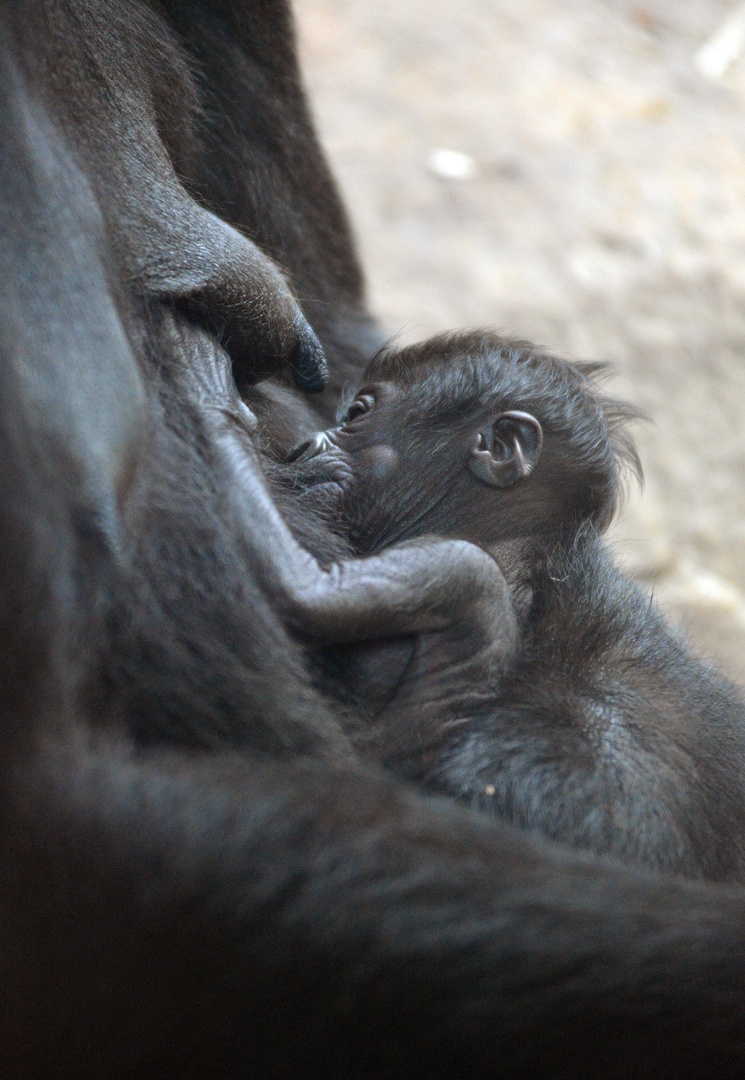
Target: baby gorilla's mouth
[318, 462]
[320, 443]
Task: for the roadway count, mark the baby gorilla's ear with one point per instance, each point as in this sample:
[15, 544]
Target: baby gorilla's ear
[507, 450]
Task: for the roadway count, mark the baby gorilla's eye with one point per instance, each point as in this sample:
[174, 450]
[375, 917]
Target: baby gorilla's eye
[358, 408]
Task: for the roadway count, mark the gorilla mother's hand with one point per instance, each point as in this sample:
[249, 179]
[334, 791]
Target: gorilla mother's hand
[227, 284]
[172, 248]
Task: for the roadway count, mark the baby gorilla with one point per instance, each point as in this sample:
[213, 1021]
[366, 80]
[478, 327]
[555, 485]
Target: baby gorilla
[563, 703]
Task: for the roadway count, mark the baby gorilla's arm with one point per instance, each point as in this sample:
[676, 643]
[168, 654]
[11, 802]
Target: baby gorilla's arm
[419, 586]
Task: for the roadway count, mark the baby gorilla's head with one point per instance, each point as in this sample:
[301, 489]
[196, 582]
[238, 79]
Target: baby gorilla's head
[477, 437]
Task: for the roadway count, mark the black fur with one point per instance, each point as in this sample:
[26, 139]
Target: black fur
[200, 877]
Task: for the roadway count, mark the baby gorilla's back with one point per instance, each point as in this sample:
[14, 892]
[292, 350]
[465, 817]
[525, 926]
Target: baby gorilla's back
[605, 733]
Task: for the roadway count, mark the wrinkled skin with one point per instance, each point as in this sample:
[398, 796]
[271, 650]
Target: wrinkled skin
[201, 875]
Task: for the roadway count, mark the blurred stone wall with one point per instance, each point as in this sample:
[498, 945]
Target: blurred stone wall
[571, 171]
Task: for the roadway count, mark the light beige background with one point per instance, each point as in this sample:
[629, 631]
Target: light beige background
[600, 211]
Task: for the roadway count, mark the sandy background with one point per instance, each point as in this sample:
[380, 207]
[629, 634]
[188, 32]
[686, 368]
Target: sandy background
[592, 198]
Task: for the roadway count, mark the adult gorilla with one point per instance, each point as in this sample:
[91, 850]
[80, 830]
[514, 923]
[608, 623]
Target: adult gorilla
[199, 878]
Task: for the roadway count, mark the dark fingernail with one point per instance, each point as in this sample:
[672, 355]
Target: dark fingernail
[310, 371]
